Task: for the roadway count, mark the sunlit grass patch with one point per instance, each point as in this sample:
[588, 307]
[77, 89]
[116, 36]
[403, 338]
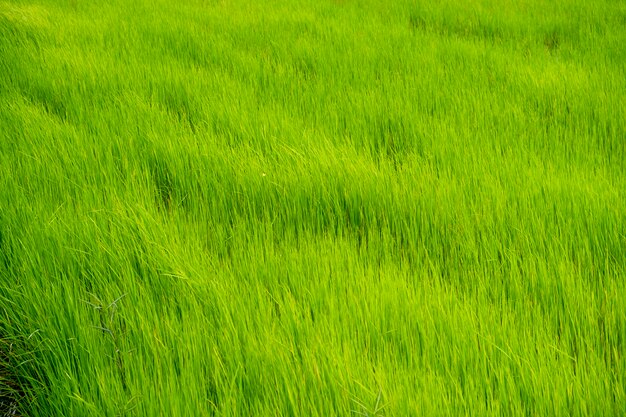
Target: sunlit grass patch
[312, 209]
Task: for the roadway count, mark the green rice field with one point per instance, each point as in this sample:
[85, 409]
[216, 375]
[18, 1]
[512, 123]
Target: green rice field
[312, 208]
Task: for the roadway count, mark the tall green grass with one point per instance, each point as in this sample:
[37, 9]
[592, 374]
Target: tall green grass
[323, 209]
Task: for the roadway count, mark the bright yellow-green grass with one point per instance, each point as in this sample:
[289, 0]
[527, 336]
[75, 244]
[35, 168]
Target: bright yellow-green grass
[313, 208]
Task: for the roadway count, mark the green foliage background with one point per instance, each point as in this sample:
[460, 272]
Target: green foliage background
[298, 208]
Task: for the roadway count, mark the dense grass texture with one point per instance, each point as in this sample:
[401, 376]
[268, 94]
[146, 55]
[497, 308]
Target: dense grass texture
[312, 208]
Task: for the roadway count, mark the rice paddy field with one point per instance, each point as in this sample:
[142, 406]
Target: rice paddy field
[312, 208]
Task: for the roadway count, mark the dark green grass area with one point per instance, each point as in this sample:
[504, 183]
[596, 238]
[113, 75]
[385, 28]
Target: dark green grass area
[333, 208]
